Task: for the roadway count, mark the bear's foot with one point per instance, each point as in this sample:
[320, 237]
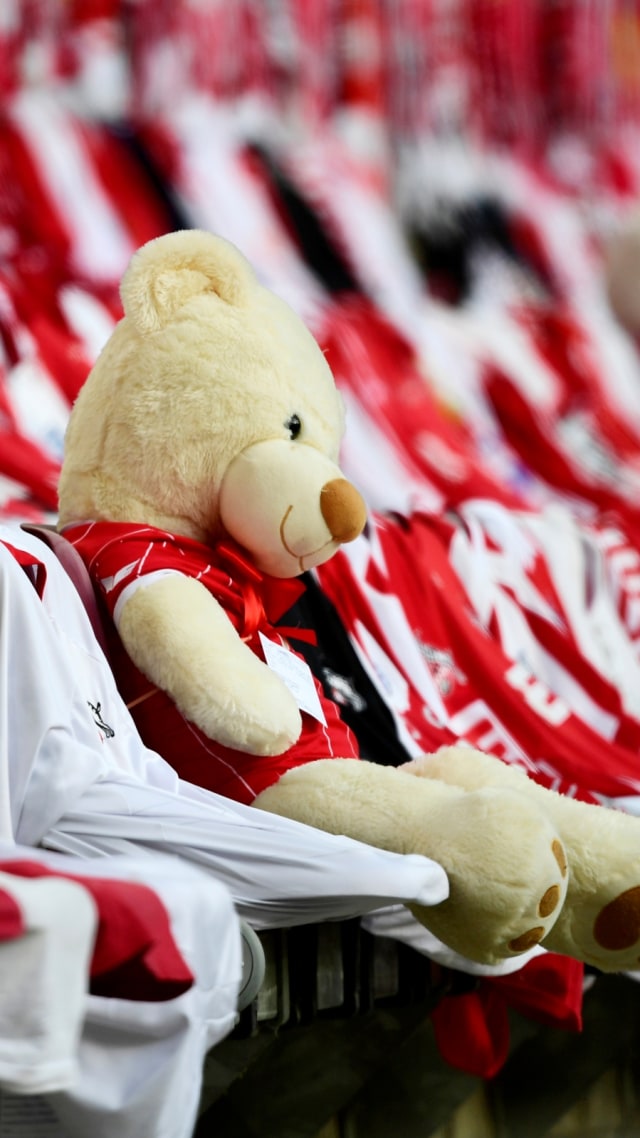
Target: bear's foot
[505, 861]
[508, 883]
[605, 935]
[600, 920]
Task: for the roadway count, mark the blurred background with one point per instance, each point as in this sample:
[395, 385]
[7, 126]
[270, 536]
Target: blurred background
[446, 191]
[430, 161]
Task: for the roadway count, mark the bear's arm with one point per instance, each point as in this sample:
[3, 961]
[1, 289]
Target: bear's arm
[181, 638]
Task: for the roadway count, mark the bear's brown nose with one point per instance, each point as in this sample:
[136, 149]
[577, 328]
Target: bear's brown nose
[343, 509]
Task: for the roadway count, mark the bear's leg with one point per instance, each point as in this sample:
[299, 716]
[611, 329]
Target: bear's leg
[506, 865]
[600, 921]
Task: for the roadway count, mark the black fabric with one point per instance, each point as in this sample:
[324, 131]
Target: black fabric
[448, 247]
[316, 246]
[141, 153]
[335, 664]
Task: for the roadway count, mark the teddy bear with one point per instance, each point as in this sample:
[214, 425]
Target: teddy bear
[200, 479]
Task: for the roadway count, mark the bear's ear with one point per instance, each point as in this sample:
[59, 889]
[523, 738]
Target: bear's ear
[168, 270]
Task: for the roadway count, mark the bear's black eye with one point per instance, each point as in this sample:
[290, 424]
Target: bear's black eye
[294, 426]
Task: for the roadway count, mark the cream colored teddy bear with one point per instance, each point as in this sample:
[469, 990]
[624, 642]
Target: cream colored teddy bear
[200, 479]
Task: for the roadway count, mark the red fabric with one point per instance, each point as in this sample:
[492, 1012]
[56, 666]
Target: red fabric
[244, 592]
[553, 630]
[28, 561]
[489, 701]
[373, 361]
[26, 463]
[534, 434]
[27, 206]
[139, 206]
[62, 354]
[11, 920]
[116, 555]
[548, 989]
[505, 90]
[472, 1029]
[361, 55]
[554, 738]
[135, 956]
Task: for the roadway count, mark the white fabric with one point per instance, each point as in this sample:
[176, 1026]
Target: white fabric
[224, 196]
[107, 1067]
[75, 777]
[578, 573]
[100, 244]
[51, 671]
[43, 983]
[140, 1064]
[573, 557]
[397, 923]
[279, 872]
[112, 795]
[50, 748]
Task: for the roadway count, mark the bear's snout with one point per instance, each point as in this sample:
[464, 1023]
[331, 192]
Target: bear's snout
[343, 509]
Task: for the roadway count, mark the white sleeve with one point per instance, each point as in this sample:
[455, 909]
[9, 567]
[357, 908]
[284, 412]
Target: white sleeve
[113, 1068]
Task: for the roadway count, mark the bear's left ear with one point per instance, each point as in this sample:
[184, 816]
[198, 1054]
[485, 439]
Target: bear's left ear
[166, 272]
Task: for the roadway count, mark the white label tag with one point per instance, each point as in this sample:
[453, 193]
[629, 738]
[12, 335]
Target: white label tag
[296, 674]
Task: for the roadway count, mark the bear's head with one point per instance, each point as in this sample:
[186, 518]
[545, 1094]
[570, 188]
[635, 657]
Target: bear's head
[211, 412]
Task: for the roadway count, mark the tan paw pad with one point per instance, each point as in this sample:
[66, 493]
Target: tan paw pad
[617, 926]
[527, 940]
[559, 854]
[549, 901]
